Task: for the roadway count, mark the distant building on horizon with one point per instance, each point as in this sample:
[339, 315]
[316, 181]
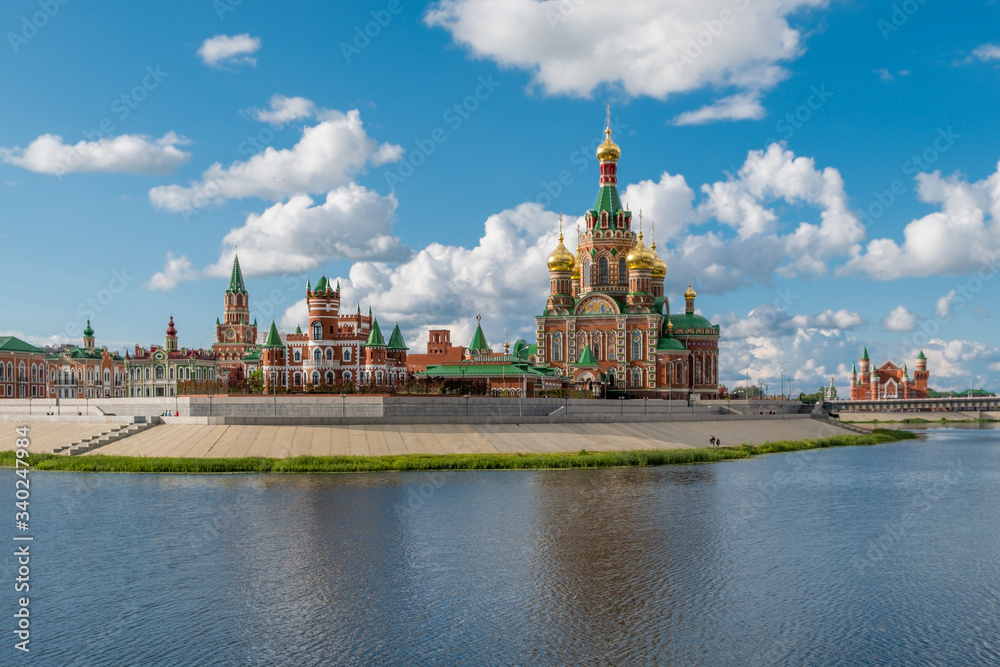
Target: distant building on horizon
[888, 381]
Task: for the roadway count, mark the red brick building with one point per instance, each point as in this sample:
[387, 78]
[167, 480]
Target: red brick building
[22, 369]
[439, 350]
[889, 380]
[235, 336]
[334, 349]
[607, 324]
[86, 371]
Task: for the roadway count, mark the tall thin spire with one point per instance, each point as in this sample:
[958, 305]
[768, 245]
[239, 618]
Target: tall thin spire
[236, 285]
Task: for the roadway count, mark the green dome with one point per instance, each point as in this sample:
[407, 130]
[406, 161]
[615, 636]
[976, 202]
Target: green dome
[88, 332]
[691, 321]
[669, 343]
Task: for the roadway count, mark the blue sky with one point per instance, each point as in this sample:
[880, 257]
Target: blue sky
[825, 173]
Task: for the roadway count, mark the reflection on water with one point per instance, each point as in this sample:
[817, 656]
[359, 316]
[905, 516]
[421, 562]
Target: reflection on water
[855, 555]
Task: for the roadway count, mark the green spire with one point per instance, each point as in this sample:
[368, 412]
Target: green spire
[338, 284]
[864, 357]
[273, 339]
[479, 343]
[854, 369]
[921, 355]
[587, 358]
[236, 285]
[321, 284]
[375, 336]
[217, 320]
[396, 339]
[88, 332]
[298, 329]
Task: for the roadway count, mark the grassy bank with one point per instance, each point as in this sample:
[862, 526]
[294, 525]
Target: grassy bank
[582, 459]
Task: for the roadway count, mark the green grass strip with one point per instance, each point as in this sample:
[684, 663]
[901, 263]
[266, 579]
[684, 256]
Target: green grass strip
[303, 464]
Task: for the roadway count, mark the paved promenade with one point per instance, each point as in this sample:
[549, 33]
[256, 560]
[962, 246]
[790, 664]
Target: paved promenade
[193, 440]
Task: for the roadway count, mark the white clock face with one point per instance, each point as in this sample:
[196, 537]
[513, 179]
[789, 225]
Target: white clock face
[230, 334]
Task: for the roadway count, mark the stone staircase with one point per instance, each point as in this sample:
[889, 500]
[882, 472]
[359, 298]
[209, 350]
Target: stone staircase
[93, 442]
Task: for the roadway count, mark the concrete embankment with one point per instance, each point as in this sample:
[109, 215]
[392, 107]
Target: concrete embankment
[276, 441]
[937, 416]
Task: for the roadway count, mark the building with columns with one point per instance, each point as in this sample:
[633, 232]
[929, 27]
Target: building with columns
[86, 371]
[888, 381]
[607, 324]
[155, 372]
[335, 349]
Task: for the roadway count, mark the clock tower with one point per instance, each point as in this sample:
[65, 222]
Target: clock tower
[235, 335]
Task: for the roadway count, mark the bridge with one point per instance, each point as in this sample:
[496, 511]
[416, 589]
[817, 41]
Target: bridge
[949, 404]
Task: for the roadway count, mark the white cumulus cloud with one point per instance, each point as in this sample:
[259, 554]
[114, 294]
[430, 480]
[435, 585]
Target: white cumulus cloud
[640, 47]
[125, 154]
[742, 106]
[229, 50]
[284, 110]
[327, 156]
[900, 318]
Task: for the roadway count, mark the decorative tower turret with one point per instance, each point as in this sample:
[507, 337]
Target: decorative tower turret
[170, 343]
[272, 359]
[864, 366]
[659, 271]
[921, 376]
[234, 335]
[375, 347]
[88, 338]
[561, 264]
[689, 296]
[478, 345]
[640, 262]
[854, 376]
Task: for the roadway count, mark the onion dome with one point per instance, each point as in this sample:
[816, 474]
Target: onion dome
[659, 266]
[640, 257]
[578, 263]
[608, 150]
[88, 332]
[561, 259]
[171, 331]
[690, 293]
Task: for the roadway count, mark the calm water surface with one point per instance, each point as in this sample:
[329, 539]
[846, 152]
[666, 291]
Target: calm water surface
[875, 555]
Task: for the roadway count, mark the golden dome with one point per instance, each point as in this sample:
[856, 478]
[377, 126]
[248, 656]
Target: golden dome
[608, 150]
[659, 266]
[561, 259]
[579, 262]
[690, 293]
[640, 257]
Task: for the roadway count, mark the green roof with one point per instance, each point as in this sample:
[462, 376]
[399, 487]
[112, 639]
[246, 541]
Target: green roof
[88, 332]
[864, 357]
[690, 321]
[375, 336]
[669, 343]
[608, 200]
[236, 285]
[479, 343]
[273, 339]
[396, 339]
[475, 370]
[321, 284]
[15, 344]
[919, 356]
[298, 329]
[520, 349]
[587, 358]
[252, 355]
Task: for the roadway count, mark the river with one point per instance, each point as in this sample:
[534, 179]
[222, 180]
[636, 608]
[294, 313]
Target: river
[873, 555]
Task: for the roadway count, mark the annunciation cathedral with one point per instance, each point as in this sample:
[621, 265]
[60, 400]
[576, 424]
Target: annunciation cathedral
[607, 322]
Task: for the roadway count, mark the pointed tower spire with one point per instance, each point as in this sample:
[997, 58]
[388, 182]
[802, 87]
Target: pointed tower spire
[479, 344]
[396, 339]
[273, 339]
[236, 285]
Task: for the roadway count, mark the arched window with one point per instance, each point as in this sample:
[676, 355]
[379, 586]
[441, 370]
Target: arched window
[611, 377]
[602, 270]
[107, 376]
[147, 373]
[637, 345]
[557, 346]
[315, 377]
[329, 354]
[171, 372]
[159, 372]
[2, 375]
[298, 355]
[586, 271]
[34, 373]
[347, 357]
[329, 377]
[636, 377]
[347, 376]
[317, 355]
[697, 370]
[378, 377]
[297, 378]
[317, 330]
[622, 272]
